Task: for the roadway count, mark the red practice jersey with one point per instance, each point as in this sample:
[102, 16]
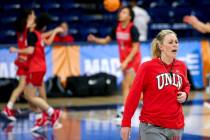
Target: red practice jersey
[37, 62]
[125, 40]
[22, 41]
[21, 61]
[159, 89]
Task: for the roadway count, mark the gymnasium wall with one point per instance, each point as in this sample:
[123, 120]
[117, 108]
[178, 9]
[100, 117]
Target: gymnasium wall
[80, 59]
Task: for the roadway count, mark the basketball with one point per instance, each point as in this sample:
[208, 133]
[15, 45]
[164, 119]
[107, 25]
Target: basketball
[111, 5]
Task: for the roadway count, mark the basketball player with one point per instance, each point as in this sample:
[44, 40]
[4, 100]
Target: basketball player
[37, 69]
[26, 19]
[197, 24]
[205, 29]
[127, 37]
[164, 85]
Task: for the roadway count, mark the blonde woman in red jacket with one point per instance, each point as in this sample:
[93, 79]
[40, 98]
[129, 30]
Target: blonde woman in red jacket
[163, 83]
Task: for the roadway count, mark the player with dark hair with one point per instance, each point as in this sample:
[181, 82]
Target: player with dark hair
[65, 37]
[127, 37]
[37, 68]
[24, 21]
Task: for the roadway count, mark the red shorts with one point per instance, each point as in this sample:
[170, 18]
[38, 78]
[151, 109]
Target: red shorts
[21, 71]
[133, 66]
[22, 67]
[35, 78]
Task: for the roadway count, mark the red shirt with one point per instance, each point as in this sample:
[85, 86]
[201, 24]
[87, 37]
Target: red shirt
[37, 62]
[21, 60]
[22, 42]
[125, 40]
[64, 39]
[159, 89]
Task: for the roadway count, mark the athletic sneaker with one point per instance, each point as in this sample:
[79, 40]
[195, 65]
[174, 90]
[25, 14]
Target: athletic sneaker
[39, 135]
[119, 116]
[55, 119]
[8, 127]
[40, 123]
[9, 113]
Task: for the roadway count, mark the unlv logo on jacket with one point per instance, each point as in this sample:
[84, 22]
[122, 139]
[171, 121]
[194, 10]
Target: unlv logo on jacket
[166, 79]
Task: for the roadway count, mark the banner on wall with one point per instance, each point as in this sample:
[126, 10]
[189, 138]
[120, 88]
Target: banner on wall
[88, 59]
[97, 58]
[66, 61]
[190, 53]
[8, 68]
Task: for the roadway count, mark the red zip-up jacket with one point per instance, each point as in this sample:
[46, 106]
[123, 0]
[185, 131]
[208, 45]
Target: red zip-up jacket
[159, 89]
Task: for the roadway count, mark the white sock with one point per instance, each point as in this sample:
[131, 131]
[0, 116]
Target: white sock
[122, 108]
[38, 115]
[50, 111]
[10, 105]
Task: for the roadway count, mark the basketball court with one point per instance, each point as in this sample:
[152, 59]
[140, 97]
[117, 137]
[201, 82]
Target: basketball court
[93, 118]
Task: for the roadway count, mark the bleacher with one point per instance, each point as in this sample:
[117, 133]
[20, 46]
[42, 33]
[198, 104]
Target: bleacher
[89, 16]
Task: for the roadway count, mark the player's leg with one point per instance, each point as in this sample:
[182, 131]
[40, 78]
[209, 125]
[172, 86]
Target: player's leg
[41, 118]
[42, 91]
[37, 110]
[34, 81]
[8, 109]
[42, 94]
[30, 95]
[18, 90]
[126, 84]
[42, 104]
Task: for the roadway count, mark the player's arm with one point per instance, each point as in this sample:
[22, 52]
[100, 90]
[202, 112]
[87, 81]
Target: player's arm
[48, 40]
[31, 41]
[105, 40]
[28, 50]
[47, 34]
[134, 95]
[135, 47]
[197, 24]
[201, 27]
